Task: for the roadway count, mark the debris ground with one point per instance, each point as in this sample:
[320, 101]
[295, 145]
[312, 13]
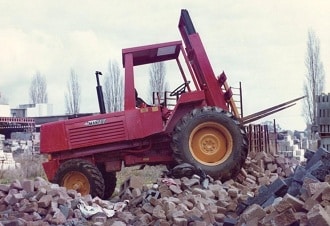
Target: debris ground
[270, 190]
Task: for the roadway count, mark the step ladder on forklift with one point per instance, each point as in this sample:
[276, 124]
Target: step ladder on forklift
[232, 102]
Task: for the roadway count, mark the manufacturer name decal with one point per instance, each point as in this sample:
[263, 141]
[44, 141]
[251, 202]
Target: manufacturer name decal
[95, 122]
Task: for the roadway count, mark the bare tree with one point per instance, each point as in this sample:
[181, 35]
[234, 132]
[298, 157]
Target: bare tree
[38, 89]
[315, 76]
[157, 81]
[72, 97]
[113, 88]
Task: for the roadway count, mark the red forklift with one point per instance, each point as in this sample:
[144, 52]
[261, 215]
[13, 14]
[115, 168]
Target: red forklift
[202, 128]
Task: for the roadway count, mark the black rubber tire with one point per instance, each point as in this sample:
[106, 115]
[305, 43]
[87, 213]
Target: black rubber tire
[85, 168]
[110, 181]
[221, 122]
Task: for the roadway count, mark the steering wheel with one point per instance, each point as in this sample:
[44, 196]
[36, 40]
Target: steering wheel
[180, 89]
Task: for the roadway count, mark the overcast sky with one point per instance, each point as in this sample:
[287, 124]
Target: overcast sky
[259, 43]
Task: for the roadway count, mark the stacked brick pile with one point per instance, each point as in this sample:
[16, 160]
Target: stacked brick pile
[7, 161]
[269, 191]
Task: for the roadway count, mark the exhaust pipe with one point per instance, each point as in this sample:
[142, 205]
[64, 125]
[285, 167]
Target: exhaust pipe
[100, 93]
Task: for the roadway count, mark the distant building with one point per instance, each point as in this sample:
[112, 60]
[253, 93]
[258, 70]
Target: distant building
[32, 110]
[21, 119]
[323, 120]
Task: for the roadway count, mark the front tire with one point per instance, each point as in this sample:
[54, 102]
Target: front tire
[82, 176]
[211, 139]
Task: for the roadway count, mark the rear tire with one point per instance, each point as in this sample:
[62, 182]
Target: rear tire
[82, 176]
[211, 139]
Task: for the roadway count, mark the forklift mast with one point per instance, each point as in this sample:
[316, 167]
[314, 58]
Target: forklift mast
[205, 78]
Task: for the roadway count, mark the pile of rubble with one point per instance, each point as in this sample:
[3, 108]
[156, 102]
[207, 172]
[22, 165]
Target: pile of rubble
[270, 190]
[38, 202]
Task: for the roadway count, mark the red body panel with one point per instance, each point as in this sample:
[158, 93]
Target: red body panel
[100, 129]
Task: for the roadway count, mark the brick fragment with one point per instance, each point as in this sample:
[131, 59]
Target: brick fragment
[4, 187]
[16, 184]
[285, 218]
[45, 201]
[175, 189]
[233, 192]
[283, 205]
[164, 191]
[158, 212]
[189, 183]
[194, 212]
[309, 204]
[28, 185]
[200, 191]
[318, 216]
[180, 221]
[323, 187]
[209, 218]
[326, 194]
[148, 208]
[253, 211]
[10, 199]
[296, 203]
[313, 188]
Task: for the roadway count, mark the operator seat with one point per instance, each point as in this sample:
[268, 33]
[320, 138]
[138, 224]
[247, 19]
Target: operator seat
[139, 102]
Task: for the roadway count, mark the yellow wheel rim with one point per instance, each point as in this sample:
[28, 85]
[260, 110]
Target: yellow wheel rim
[210, 143]
[77, 181]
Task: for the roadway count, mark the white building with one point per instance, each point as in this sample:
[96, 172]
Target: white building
[39, 110]
[32, 110]
[4, 110]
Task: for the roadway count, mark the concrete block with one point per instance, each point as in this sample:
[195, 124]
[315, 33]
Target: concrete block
[309, 154]
[277, 188]
[294, 189]
[229, 221]
[317, 156]
[269, 201]
[299, 174]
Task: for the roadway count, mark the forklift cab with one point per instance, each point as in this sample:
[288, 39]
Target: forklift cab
[149, 54]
